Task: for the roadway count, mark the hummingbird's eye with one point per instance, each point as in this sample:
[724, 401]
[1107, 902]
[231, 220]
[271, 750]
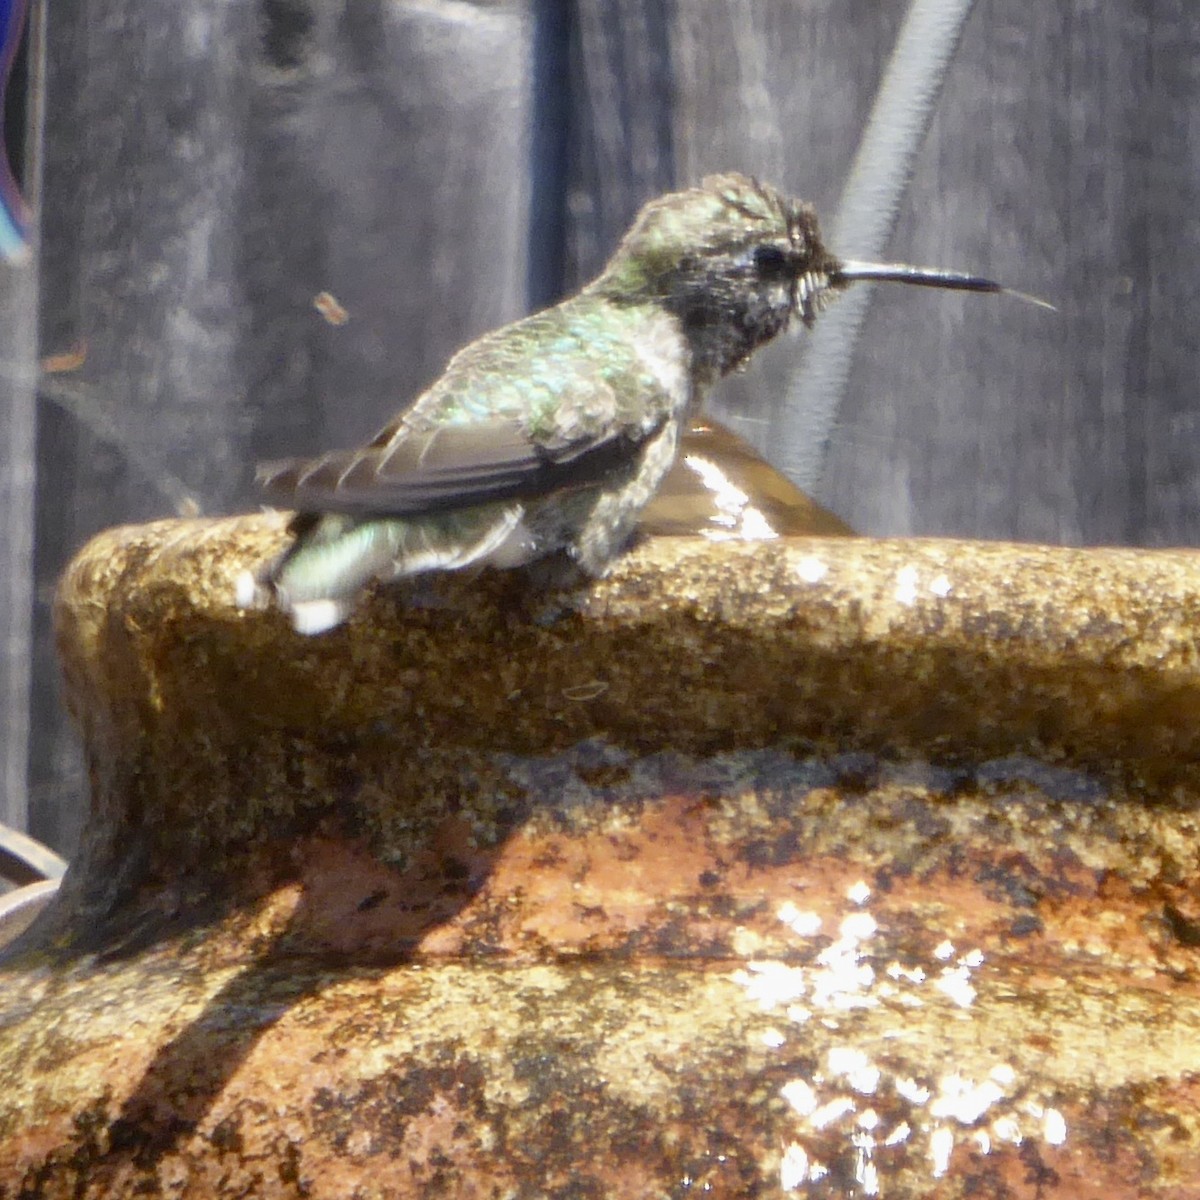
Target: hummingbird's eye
[771, 262]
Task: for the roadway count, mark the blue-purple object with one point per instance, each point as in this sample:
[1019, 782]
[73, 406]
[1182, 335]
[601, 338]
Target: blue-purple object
[14, 212]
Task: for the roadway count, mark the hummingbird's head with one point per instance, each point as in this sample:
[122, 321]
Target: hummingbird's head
[734, 259]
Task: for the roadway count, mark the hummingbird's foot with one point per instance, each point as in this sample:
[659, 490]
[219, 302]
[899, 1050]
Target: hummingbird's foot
[556, 573]
[554, 586]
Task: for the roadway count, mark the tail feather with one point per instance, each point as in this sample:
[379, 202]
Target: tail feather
[334, 557]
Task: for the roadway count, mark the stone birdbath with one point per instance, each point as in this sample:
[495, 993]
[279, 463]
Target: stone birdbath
[792, 867]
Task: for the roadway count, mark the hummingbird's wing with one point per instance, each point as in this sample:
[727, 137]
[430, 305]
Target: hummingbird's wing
[448, 467]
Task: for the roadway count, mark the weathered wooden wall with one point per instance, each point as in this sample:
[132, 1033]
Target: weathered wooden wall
[18, 381]
[442, 165]
[18, 397]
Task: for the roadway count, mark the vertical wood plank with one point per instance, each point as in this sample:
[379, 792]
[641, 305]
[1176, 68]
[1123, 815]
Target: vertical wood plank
[622, 99]
[18, 306]
[1061, 161]
[212, 168]
[18, 380]
[392, 170]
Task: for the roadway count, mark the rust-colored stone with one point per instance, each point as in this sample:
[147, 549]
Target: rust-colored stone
[801, 867]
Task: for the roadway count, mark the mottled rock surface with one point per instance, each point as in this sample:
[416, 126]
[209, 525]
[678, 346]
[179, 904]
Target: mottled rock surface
[799, 867]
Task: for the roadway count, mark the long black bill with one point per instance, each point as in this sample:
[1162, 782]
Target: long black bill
[851, 272]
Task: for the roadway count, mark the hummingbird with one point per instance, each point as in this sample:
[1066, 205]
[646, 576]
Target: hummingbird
[546, 439]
